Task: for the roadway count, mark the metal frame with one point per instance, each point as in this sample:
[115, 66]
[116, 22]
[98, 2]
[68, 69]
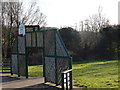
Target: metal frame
[67, 80]
[55, 56]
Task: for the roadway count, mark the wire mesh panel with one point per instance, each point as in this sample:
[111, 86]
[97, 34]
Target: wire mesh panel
[62, 65]
[50, 69]
[34, 39]
[21, 56]
[57, 58]
[49, 43]
[60, 50]
[14, 58]
[21, 44]
[22, 65]
[28, 39]
[14, 64]
[39, 39]
[14, 48]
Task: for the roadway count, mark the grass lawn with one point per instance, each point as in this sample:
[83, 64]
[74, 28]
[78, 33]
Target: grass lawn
[96, 74]
[90, 74]
[35, 71]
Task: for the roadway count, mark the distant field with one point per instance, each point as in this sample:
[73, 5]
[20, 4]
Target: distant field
[89, 74]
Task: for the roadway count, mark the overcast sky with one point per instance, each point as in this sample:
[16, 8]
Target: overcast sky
[68, 12]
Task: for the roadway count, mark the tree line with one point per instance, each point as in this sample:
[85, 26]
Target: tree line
[95, 39]
[89, 45]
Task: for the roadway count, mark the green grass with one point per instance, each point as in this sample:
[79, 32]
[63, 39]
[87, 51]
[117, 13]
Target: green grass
[4, 70]
[35, 71]
[96, 74]
[89, 74]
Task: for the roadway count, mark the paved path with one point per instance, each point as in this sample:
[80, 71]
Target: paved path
[16, 83]
[32, 83]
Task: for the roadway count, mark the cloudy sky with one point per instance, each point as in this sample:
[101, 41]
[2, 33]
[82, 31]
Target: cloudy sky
[68, 12]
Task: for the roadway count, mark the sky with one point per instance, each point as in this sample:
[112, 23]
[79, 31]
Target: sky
[69, 12]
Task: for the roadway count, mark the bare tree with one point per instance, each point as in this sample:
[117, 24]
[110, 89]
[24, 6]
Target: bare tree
[95, 22]
[98, 21]
[13, 14]
[33, 15]
[90, 35]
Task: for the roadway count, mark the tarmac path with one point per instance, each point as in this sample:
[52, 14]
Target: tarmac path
[32, 83]
[8, 82]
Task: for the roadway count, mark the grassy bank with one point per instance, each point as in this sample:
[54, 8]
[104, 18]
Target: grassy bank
[90, 74]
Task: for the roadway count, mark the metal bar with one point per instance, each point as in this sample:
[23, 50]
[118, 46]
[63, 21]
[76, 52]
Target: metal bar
[70, 63]
[5, 64]
[19, 53]
[11, 65]
[26, 58]
[55, 53]
[62, 43]
[28, 26]
[67, 71]
[13, 53]
[62, 81]
[18, 58]
[26, 61]
[56, 56]
[35, 47]
[44, 57]
[66, 81]
[4, 69]
[70, 66]
[10, 57]
[71, 86]
[41, 31]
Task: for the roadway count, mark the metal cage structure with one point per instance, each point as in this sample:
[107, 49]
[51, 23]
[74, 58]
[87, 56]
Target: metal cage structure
[55, 55]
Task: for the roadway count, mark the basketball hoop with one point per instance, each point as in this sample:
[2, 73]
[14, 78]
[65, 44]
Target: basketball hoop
[19, 35]
[21, 30]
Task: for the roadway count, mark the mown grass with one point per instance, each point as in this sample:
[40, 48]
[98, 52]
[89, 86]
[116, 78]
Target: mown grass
[89, 74]
[35, 71]
[96, 74]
